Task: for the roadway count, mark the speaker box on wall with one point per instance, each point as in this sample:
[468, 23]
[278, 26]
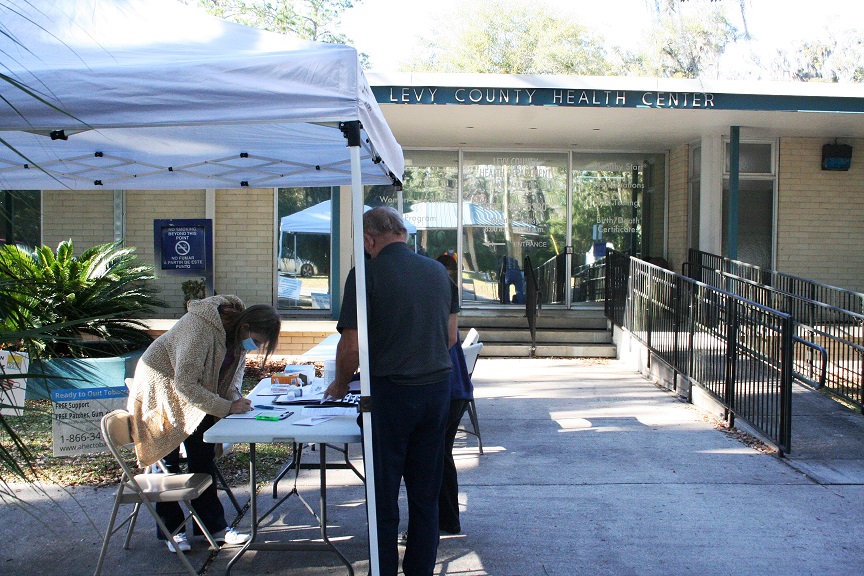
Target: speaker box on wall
[836, 157]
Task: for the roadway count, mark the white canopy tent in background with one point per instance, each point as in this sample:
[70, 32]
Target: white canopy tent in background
[442, 216]
[316, 219]
[152, 94]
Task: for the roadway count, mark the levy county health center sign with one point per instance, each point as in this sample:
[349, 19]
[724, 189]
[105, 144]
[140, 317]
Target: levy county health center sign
[600, 98]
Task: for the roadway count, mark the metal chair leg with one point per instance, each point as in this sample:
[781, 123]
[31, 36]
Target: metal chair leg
[472, 414]
[221, 484]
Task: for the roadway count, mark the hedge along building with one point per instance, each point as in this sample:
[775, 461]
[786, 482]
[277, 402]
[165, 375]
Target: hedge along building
[546, 167]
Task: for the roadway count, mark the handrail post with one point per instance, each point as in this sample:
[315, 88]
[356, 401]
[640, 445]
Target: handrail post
[731, 358]
[786, 387]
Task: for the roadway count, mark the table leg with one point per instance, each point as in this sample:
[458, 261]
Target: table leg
[323, 460]
[325, 545]
[253, 511]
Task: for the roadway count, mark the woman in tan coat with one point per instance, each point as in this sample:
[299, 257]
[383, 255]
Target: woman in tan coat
[187, 379]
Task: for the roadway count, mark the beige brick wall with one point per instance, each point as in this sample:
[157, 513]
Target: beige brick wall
[85, 216]
[144, 206]
[296, 343]
[245, 233]
[293, 341]
[820, 215]
[678, 206]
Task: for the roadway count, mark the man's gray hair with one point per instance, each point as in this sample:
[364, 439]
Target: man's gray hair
[383, 220]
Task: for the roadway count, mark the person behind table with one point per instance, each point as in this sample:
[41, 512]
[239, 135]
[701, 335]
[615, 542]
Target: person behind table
[188, 378]
[512, 277]
[448, 260]
[412, 306]
[461, 394]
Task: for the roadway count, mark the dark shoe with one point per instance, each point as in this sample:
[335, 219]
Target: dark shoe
[450, 529]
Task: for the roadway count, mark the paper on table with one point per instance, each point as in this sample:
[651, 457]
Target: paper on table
[329, 410]
[313, 421]
[254, 413]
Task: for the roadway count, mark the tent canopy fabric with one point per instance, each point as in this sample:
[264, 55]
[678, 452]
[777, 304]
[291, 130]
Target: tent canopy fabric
[153, 94]
[442, 216]
[316, 220]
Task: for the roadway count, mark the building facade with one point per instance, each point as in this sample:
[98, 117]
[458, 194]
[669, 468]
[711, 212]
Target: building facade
[557, 169]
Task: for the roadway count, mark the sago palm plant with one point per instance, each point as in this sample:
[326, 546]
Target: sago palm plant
[92, 302]
[56, 304]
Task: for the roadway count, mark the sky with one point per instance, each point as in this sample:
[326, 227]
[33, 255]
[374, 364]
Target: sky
[388, 30]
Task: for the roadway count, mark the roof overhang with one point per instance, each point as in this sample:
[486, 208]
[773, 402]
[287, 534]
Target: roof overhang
[606, 113]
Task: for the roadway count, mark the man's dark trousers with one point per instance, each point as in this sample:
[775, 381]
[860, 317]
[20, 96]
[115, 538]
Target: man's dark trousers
[408, 423]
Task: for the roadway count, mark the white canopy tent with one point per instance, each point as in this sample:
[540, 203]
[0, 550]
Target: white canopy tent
[152, 94]
[316, 220]
[443, 216]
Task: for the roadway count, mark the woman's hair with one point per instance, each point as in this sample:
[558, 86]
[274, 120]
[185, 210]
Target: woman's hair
[383, 220]
[261, 318]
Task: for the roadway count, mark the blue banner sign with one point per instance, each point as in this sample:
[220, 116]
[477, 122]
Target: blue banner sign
[78, 394]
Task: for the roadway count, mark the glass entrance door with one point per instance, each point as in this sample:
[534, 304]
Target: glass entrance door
[617, 204]
[483, 214]
[514, 206]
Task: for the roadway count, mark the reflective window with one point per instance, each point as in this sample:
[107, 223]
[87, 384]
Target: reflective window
[303, 248]
[514, 205]
[753, 158]
[21, 217]
[429, 192]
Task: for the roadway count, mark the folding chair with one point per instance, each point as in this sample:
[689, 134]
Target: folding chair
[472, 352]
[471, 338]
[146, 489]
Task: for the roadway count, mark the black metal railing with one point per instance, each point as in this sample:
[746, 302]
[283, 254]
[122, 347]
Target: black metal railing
[532, 301]
[587, 282]
[829, 341]
[712, 269]
[552, 278]
[737, 350]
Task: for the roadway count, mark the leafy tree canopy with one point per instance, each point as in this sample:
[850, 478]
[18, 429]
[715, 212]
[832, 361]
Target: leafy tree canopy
[316, 20]
[497, 36]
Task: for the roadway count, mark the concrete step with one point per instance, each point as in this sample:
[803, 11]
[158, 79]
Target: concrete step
[577, 333]
[513, 350]
[551, 319]
[543, 322]
[565, 337]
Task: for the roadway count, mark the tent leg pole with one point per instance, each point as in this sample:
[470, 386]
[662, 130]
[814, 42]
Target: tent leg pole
[363, 341]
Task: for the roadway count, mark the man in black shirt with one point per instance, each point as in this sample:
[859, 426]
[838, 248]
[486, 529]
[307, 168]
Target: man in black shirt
[412, 307]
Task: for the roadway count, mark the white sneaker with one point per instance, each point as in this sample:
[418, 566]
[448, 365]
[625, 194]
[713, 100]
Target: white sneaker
[180, 542]
[231, 537]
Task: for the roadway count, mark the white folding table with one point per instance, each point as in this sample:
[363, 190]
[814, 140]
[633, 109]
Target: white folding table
[338, 430]
[324, 350]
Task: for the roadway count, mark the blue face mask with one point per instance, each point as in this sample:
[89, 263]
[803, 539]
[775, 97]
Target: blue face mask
[249, 344]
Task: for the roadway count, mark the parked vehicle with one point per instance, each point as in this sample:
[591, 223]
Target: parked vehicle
[297, 267]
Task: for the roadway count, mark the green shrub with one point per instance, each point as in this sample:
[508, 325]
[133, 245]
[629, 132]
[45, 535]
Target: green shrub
[85, 306]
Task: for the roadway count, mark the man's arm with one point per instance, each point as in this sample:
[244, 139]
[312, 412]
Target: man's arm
[452, 329]
[347, 362]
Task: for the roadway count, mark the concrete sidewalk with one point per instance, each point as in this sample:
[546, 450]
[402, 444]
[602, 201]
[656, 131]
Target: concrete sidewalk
[588, 469]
